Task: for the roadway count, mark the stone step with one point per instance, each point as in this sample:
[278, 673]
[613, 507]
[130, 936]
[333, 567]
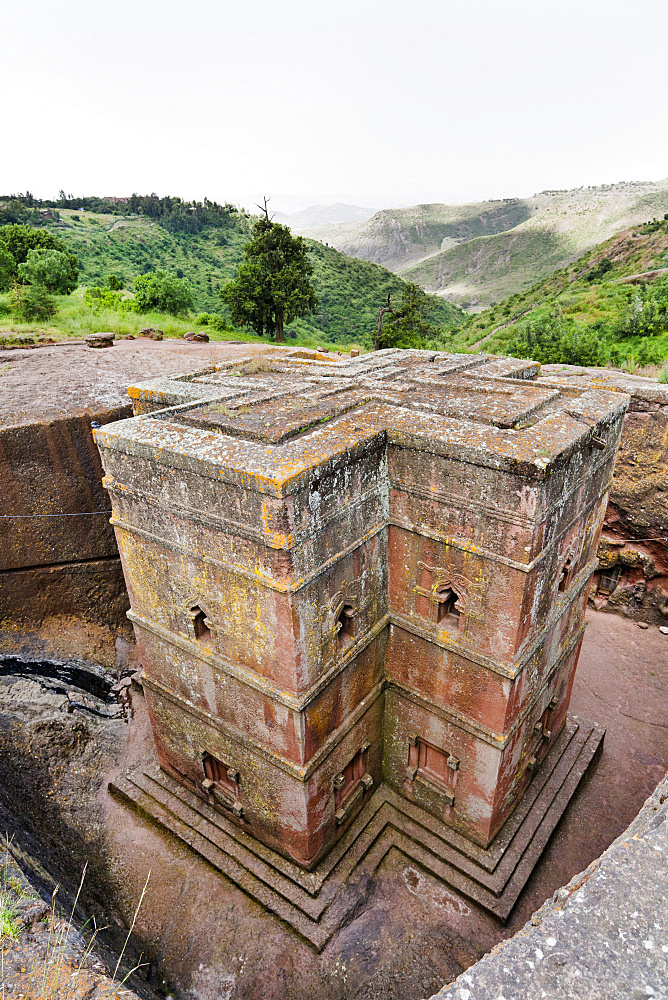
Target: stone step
[317, 903]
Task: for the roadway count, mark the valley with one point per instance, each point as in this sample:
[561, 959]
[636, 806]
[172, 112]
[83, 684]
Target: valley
[610, 307]
[478, 254]
[349, 290]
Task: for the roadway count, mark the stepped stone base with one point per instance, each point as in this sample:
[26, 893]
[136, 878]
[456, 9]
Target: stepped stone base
[317, 903]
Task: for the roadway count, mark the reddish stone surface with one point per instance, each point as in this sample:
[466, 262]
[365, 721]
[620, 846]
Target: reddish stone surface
[348, 573]
[62, 591]
[632, 573]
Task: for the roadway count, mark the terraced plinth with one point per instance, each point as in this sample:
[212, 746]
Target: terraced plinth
[315, 904]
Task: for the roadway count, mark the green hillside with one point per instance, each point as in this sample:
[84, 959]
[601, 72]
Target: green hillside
[349, 290]
[492, 267]
[480, 253]
[610, 306]
[398, 238]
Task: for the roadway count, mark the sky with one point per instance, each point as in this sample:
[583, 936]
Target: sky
[371, 103]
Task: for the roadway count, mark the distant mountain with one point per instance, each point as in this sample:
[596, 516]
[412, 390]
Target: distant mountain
[323, 215]
[482, 252]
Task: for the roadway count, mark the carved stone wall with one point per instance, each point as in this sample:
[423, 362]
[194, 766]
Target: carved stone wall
[354, 573]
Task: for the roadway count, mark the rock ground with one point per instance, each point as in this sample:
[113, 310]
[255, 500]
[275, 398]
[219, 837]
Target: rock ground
[602, 935]
[206, 940]
[48, 383]
[45, 957]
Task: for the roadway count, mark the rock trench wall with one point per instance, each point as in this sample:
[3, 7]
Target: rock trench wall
[632, 574]
[62, 591]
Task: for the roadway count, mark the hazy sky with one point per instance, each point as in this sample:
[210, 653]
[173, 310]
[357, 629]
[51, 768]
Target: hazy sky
[375, 103]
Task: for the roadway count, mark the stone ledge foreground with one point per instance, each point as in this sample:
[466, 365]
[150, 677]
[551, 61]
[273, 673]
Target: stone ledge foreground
[602, 936]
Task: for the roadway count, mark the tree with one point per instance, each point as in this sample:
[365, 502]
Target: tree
[20, 240]
[410, 325]
[15, 210]
[56, 270]
[162, 291]
[7, 268]
[551, 340]
[604, 265]
[381, 315]
[646, 315]
[273, 285]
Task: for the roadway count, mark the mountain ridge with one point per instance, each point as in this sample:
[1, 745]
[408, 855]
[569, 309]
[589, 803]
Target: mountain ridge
[465, 253]
[323, 215]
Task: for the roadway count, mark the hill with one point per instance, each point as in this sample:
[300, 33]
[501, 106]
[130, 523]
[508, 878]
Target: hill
[349, 290]
[608, 306]
[482, 252]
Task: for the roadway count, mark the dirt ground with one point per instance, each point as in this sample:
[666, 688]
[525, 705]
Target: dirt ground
[207, 940]
[622, 683]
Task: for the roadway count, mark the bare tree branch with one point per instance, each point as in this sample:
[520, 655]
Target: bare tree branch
[263, 208]
[381, 313]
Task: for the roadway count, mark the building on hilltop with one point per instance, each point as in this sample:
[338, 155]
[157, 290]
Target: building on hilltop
[358, 588]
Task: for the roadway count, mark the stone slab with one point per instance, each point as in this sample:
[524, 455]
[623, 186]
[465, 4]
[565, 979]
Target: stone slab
[316, 904]
[603, 935]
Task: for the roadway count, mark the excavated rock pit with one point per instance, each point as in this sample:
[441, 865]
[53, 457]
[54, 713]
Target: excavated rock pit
[202, 936]
[71, 719]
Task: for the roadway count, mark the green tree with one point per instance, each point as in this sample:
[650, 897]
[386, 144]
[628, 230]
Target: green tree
[56, 270]
[604, 265]
[273, 284]
[646, 315]
[7, 268]
[411, 325]
[20, 240]
[32, 302]
[162, 291]
[551, 340]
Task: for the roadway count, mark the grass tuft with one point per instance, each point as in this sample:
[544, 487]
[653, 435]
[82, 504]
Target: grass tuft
[8, 923]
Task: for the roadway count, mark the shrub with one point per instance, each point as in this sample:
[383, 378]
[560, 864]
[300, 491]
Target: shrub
[20, 240]
[550, 340]
[647, 313]
[214, 321]
[114, 282]
[97, 298]
[32, 302]
[7, 268]
[56, 270]
[162, 291]
[8, 918]
[648, 353]
[604, 265]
